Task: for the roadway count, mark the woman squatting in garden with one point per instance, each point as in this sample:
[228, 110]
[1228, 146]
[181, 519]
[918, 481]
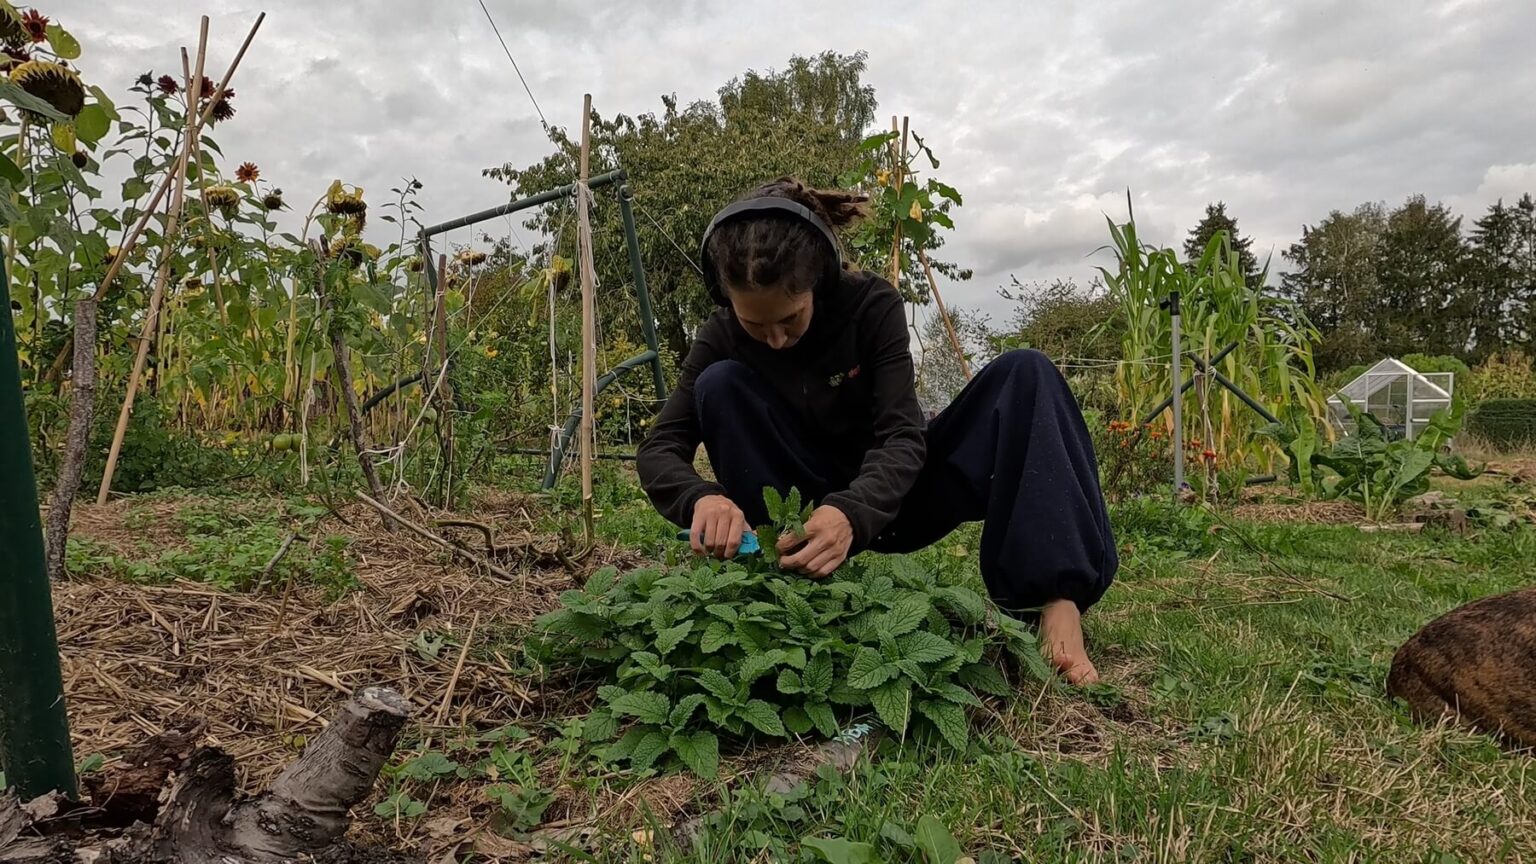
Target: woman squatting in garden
[803, 378]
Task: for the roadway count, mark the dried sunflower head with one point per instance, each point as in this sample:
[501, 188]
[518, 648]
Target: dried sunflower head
[80, 159]
[36, 25]
[413, 264]
[168, 85]
[273, 200]
[222, 110]
[471, 257]
[12, 31]
[52, 83]
[223, 197]
[247, 172]
[348, 249]
[345, 201]
[11, 57]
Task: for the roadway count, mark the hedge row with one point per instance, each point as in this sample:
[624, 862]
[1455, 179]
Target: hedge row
[1509, 423]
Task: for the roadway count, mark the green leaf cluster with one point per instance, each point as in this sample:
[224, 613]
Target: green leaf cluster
[1373, 466]
[742, 650]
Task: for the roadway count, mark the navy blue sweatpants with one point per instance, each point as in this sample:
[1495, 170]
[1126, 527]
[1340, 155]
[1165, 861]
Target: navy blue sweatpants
[1012, 452]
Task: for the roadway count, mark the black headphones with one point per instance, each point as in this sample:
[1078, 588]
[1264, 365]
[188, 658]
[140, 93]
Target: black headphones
[750, 206]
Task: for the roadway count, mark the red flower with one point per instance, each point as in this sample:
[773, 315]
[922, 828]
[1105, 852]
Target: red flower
[168, 85]
[36, 25]
[222, 110]
[247, 172]
[209, 88]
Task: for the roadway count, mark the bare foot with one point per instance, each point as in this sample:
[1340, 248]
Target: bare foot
[1061, 640]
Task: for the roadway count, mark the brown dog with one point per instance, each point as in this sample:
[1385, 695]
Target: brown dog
[1477, 661]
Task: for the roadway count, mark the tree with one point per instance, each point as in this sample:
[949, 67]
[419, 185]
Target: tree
[1335, 284]
[1504, 271]
[687, 162]
[1422, 267]
[1062, 320]
[940, 376]
[1216, 219]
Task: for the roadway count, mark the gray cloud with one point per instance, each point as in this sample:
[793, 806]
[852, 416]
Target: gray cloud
[1045, 114]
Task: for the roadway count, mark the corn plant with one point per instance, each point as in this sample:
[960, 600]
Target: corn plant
[1272, 361]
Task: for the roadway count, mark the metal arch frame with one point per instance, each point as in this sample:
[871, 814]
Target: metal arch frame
[652, 354]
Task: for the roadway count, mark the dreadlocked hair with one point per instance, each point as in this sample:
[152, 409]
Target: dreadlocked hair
[769, 250]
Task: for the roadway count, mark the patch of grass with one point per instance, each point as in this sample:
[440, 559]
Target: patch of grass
[226, 543]
[1243, 716]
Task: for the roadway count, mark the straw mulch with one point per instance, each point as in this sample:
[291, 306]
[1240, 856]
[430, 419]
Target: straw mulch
[263, 670]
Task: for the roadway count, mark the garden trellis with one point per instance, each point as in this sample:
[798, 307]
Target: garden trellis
[650, 357]
[1404, 399]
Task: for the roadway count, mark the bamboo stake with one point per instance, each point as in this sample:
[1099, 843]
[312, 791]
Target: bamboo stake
[445, 392]
[897, 164]
[588, 316]
[949, 325]
[162, 274]
[130, 241]
[202, 194]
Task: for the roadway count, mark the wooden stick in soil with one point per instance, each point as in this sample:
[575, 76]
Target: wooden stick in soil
[196, 157]
[131, 239]
[445, 392]
[458, 669]
[162, 274]
[949, 325]
[433, 538]
[588, 317]
[897, 163]
[342, 366]
[82, 411]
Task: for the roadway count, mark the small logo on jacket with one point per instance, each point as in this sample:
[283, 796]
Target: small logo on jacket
[838, 379]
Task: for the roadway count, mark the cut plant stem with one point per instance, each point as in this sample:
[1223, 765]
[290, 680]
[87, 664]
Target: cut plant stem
[81, 416]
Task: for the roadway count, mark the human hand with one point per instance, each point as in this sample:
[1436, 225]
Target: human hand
[822, 548]
[717, 527]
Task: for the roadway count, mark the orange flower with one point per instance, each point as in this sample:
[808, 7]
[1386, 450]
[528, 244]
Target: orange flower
[247, 172]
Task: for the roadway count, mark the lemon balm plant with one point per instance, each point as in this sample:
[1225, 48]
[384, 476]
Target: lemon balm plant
[689, 656]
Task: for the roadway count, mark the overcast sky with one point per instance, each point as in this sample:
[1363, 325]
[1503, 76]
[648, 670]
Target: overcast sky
[1044, 113]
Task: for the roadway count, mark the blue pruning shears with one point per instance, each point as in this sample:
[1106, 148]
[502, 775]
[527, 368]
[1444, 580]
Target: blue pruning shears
[749, 544]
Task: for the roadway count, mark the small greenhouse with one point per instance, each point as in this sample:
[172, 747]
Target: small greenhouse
[1401, 397]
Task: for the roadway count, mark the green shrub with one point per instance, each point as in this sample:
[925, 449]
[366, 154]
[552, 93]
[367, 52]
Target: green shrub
[1504, 376]
[1507, 423]
[1463, 389]
[740, 649]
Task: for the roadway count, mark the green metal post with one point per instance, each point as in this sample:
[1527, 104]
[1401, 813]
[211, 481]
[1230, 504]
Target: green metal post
[34, 729]
[647, 319]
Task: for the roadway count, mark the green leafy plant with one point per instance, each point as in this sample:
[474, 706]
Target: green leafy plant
[743, 650]
[1371, 466]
